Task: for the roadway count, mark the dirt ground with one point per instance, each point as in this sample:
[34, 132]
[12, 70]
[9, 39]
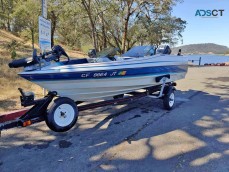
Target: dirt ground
[138, 136]
[9, 80]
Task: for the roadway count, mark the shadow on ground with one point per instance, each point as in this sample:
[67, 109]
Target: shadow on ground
[196, 140]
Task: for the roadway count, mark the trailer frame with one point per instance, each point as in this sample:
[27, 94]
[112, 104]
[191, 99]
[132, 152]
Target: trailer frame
[38, 111]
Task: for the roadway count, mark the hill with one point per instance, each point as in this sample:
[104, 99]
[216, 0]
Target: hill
[207, 48]
[9, 95]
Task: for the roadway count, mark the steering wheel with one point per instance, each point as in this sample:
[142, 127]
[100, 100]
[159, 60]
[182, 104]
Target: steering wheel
[57, 51]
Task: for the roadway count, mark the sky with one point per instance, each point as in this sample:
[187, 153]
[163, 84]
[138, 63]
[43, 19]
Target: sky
[204, 29]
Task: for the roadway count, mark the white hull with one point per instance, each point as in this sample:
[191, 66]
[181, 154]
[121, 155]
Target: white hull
[89, 81]
[91, 89]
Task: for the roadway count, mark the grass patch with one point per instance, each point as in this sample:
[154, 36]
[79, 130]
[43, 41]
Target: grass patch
[9, 80]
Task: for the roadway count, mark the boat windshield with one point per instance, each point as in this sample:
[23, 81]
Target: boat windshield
[107, 52]
[140, 51]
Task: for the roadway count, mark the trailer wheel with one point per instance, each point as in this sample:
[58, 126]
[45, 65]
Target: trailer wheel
[62, 115]
[169, 99]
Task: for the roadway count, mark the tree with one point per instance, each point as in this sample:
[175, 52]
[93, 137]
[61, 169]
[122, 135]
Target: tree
[26, 15]
[97, 23]
[136, 20]
[55, 9]
[6, 11]
[88, 7]
[130, 10]
[165, 29]
[72, 27]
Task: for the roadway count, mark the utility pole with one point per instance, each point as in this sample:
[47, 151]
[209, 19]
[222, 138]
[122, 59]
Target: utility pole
[44, 8]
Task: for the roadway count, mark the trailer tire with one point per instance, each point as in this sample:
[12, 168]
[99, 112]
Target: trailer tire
[169, 99]
[62, 115]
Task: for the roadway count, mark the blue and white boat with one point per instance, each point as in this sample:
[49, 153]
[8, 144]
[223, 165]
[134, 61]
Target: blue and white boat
[101, 77]
[72, 82]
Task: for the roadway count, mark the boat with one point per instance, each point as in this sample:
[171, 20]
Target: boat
[115, 79]
[101, 77]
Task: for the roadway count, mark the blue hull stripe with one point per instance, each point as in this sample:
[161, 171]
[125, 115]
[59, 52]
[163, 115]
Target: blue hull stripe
[71, 65]
[106, 73]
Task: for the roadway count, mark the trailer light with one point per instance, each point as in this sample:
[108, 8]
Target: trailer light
[26, 123]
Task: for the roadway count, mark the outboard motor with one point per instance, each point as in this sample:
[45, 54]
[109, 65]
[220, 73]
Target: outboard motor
[163, 49]
[167, 50]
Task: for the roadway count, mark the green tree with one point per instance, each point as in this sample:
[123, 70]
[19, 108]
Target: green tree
[55, 9]
[97, 23]
[6, 11]
[26, 17]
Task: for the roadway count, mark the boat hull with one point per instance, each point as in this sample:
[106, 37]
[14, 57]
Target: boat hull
[104, 80]
[90, 89]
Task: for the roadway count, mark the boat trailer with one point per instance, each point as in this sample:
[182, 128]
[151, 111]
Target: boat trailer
[39, 111]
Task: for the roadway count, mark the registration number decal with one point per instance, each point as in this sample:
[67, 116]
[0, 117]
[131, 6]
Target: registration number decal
[103, 74]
